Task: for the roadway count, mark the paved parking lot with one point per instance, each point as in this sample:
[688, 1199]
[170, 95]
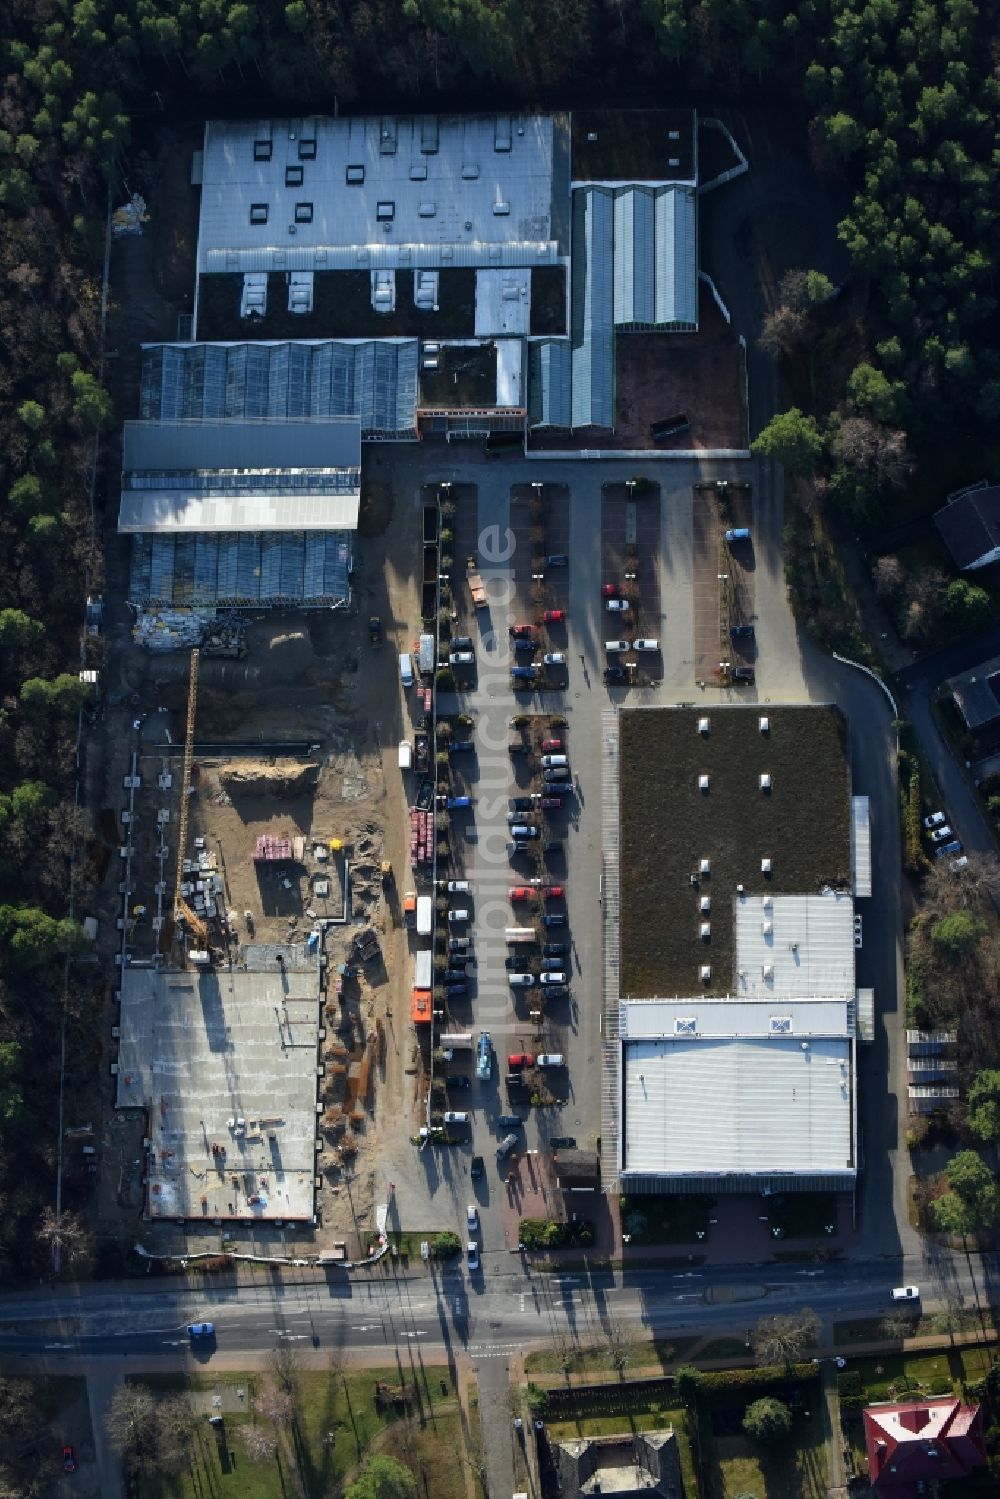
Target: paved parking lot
[433, 1187]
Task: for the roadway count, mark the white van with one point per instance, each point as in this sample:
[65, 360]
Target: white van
[550, 1059]
[550, 760]
[520, 980]
[405, 669]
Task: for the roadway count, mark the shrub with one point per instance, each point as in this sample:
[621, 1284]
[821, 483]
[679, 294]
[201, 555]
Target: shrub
[941, 1386]
[445, 1246]
[446, 679]
[767, 1420]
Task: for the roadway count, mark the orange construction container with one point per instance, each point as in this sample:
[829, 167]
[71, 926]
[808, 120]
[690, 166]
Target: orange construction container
[420, 1009]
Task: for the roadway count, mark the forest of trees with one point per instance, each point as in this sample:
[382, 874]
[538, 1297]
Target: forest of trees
[897, 98]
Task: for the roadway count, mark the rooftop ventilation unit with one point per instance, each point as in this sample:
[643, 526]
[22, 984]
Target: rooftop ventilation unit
[767, 928]
[704, 725]
[765, 866]
[705, 931]
[705, 904]
[765, 781]
[768, 903]
[767, 974]
[739, 889]
[764, 724]
[781, 1025]
[704, 866]
[685, 1025]
[705, 973]
[703, 783]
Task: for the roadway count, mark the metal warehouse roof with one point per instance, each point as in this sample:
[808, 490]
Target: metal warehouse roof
[179, 446]
[372, 380]
[184, 510]
[213, 569]
[549, 385]
[347, 193]
[759, 1106]
[593, 340]
[503, 303]
[798, 945]
[676, 216]
[656, 257]
[728, 1019]
[634, 256]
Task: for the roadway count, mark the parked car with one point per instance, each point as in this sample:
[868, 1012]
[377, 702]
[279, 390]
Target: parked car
[521, 980]
[459, 944]
[613, 646]
[484, 1057]
[934, 820]
[518, 749]
[737, 533]
[554, 918]
[740, 632]
[616, 606]
[554, 617]
[953, 846]
[552, 746]
[615, 674]
[519, 1059]
[520, 804]
[507, 1144]
[548, 761]
[552, 965]
[509, 1121]
[472, 1254]
[520, 892]
[462, 658]
[552, 847]
[562, 1142]
[459, 913]
[742, 674]
[610, 590]
[555, 949]
[645, 644]
[550, 803]
[905, 1293]
[69, 1459]
[455, 976]
[524, 831]
[457, 803]
[472, 1216]
[550, 1059]
[462, 643]
[455, 1116]
[201, 1330]
[558, 976]
[459, 746]
[525, 643]
[554, 658]
[556, 773]
[523, 673]
[459, 1080]
[941, 834]
[557, 991]
[553, 892]
[454, 990]
[519, 631]
[477, 1168]
[557, 559]
[460, 886]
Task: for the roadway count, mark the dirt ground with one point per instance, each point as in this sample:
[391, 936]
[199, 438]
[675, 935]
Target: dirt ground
[312, 678]
[723, 581]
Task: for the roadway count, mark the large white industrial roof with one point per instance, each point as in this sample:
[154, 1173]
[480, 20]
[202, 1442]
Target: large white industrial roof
[861, 846]
[503, 302]
[190, 510]
[766, 1101]
[796, 945]
[329, 194]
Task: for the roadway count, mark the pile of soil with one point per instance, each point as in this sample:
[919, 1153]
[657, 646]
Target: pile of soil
[257, 778]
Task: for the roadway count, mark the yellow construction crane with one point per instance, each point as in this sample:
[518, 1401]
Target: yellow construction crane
[182, 911]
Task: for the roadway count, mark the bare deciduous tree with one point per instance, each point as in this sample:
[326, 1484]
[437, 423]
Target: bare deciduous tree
[621, 1345]
[284, 1363]
[259, 1443]
[130, 1422]
[785, 1338]
[872, 449]
[274, 1404]
[889, 575]
[176, 1423]
[71, 1234]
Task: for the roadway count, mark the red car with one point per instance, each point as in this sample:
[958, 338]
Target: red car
[548, 745]
[610, 590]
[554, 617]
[548, 803]
[69, 1460]
[553, 892]
[520, 892]
[519, 1059]
[524, 631]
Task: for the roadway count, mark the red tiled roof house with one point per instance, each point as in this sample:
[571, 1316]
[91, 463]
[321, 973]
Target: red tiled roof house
[913, 1444]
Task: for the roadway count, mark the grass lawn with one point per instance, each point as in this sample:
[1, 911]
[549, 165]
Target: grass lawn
[665, 1220]
[639, 1419]
[646, 1354]
[723, 1348]
[337, 1421]
[796, 1469]
[954, 1364]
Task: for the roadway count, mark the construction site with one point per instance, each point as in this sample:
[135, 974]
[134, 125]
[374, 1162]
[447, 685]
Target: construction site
[250, 887]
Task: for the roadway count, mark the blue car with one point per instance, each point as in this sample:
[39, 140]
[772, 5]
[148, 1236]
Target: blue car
[521, 644]
[459, 744]
[553, 918]
[456, 988]
[523, 673]
[458, 801]
[201, 1330]
[558, 559]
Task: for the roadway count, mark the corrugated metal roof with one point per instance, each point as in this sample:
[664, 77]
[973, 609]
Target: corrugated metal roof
[593, 378]
[179, 446]
[549, 387]
[634, 256]
[749, 1105]
[702, 1016]
[861, 846]
[458, 194]
[866, 1014]
[503, 303]
[676, 216]
[228, 569]
[186, 510]
[798, 945]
